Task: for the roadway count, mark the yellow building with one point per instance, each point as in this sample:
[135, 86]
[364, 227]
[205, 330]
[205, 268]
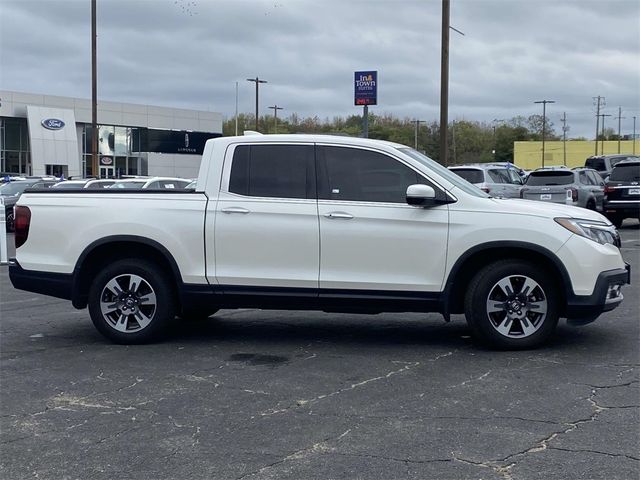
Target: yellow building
[528, 155]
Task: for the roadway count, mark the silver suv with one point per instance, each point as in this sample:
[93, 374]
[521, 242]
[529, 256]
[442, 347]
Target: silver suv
[496, 180]
[581, 187]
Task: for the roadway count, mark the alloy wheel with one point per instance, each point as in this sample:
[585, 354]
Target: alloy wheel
[128, 303]
[516, 306]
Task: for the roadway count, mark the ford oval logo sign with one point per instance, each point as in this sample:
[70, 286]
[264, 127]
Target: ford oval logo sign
[52, 123]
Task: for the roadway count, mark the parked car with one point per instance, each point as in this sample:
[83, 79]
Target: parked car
[319, 223]
[166, 183]
[580, 187]
[622, 192]
[10, 193]
[90, 183]
[155, 183]
[605, 163]
[496, 180]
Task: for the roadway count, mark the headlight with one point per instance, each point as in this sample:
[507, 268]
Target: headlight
[600, 232]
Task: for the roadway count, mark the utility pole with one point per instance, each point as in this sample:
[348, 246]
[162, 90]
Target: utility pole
[417, 123]
[236, 109]
[602, 144]
[444, 82]
[544, 122]
[598, 99]
[275, 109]
[94, 92]
[634, 135]
[564, 137]
[619, 117]
[257, 82]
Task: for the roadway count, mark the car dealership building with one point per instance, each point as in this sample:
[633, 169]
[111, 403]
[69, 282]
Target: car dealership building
[51, 135]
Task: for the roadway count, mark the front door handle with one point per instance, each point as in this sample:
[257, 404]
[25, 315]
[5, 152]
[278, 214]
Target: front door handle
[234, 210]
[342, 215]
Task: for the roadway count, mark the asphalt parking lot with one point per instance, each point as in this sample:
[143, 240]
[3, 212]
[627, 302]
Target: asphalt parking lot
[253, 394]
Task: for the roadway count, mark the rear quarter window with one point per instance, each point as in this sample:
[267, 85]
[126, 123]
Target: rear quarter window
[471, 175]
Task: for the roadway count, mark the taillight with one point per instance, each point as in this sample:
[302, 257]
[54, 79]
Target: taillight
[608, 189]
[22, 219]
[572, 194]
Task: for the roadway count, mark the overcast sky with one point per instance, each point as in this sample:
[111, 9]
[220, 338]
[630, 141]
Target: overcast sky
[190, 54]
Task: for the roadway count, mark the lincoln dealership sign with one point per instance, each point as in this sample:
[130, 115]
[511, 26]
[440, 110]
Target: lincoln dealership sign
[52, 123]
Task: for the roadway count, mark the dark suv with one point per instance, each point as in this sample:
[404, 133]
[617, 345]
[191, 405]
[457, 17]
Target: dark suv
[605, 163]
[622, 192]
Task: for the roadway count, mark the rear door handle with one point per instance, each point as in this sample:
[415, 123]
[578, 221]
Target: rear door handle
[234, 210]
[342, 215]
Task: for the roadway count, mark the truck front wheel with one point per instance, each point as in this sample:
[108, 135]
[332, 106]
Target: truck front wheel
[131, 301]
[512, 304]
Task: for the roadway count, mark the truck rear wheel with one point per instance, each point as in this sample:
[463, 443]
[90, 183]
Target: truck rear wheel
[131, 301]
[512, 304]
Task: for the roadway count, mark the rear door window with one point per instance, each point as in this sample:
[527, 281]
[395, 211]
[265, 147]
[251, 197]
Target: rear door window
[499, 175]
[550, 178]
[282, 171]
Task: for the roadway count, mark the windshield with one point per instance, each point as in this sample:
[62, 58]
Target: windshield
[128, 184]
[626, 173]
[14, 188]
[550, 177]
[471, 175]
[444, 172]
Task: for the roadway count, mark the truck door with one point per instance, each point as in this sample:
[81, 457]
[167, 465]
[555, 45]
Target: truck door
[266, 220]
[371, 238]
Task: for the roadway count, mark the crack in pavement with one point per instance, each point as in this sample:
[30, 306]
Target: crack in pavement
[318, 447]
[585, 450]
[301, 403]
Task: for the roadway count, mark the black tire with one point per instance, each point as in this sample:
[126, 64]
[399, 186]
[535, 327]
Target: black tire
[616, 220]
[484, 287]
[10, 222]
[153, 318]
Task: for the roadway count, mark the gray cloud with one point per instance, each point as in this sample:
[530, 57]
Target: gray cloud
[190, 54]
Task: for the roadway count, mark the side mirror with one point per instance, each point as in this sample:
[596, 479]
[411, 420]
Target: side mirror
[421, 195]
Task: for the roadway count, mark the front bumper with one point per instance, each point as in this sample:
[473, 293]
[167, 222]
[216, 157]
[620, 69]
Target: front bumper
[607, 295]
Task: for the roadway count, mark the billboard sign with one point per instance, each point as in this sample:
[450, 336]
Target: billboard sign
[366, 88]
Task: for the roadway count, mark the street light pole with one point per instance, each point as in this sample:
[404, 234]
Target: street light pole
[275, 109]
[257, 82]
[634, 135]
[602, 143]
[415, 143]
[544, 122]
[619, 117]
[236, 109]
[564, 137]
[94, 92]
[444, 82]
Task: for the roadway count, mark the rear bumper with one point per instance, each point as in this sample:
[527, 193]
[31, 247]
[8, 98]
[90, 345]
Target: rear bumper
[583, 309]
[619, 207]
[59, 285]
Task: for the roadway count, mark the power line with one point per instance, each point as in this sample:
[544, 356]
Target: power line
[600, 101]
[257, 82]
[275, 109]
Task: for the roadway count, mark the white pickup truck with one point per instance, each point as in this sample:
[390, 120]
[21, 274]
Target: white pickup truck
[323, 223]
